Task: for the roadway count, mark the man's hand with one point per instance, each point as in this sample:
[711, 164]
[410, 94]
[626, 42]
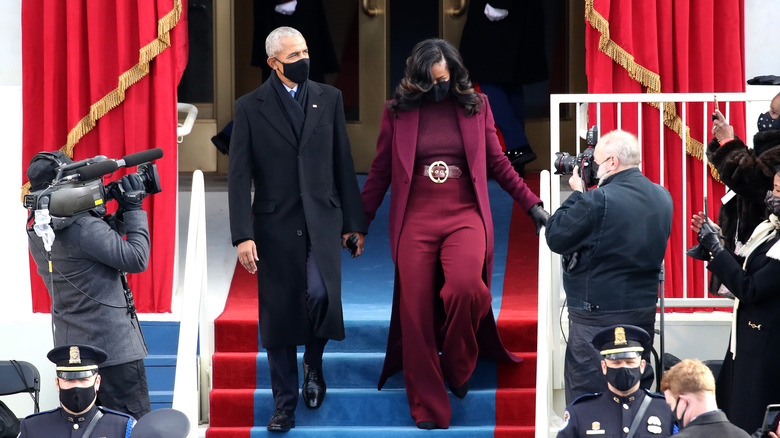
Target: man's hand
[361, 241]
[247, 255]
[130, 193]
[575, 182]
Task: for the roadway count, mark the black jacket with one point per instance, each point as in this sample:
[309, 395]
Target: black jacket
[303, 191]
[619, 233]
[747, 383]
[710, 425]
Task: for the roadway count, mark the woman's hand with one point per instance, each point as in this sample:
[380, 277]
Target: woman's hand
[720, 128]
[698, 219]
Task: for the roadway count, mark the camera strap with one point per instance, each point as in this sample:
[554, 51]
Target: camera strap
[131, 304]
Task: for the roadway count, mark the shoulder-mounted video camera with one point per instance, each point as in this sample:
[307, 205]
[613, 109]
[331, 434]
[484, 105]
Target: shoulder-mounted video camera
[565, 162]
[67, 188]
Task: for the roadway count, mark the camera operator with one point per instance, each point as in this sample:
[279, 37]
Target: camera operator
[613, 239]
[84, 275]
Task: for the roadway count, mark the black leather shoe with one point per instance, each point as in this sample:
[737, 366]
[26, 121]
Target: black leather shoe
[427, 425]
[313, 390]
[519, 158]
[282, 421]
[460, 391]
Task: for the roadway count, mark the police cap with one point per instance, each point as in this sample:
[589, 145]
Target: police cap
[162, 423]
[621, 342]
[76, 361]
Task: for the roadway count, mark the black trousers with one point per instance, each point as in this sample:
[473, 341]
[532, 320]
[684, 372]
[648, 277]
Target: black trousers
[582, 368]
[123, 388]
[283, 361]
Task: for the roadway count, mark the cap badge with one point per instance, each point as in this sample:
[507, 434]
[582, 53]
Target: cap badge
[620, 336]
[75, 355]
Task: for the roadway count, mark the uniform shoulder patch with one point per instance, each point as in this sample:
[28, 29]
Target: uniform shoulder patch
[41, 413]
[586, 397]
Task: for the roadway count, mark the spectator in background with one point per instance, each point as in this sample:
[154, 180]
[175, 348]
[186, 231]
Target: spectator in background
[503, 49]
[747, 173]
[748, 380]
[689, 389]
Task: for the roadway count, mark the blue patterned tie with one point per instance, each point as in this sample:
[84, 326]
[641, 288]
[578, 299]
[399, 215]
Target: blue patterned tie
[292, 93]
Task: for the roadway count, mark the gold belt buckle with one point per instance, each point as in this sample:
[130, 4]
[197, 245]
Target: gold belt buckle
[436, 175]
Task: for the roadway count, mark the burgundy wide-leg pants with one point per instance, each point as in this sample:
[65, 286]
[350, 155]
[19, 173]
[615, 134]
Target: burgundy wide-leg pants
[441, 224]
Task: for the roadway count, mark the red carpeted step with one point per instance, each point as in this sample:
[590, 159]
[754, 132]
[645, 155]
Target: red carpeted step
[234, 370]
[514, 432]
[515, 407]
[228, 432]
[236, 328]
[231, 407]
[518, 328]
[518, 375]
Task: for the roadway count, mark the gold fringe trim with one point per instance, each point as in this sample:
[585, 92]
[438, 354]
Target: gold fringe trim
[125, 80]
[648, 79]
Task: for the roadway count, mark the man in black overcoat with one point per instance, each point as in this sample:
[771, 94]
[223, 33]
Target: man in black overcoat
[290, 139]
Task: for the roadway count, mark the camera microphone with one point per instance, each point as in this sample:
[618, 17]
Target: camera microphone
[82, 163]
[98, 169]
[140, 157]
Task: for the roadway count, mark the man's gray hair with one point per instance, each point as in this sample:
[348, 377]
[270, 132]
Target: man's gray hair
[623, 145]
[273, 43]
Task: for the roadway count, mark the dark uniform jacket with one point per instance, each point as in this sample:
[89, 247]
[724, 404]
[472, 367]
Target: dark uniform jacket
[619, 233]
[610, 415]
[510, 51]
[58, 423]
[749, 382]
[303, 190]
[711, 425]
[88, 301]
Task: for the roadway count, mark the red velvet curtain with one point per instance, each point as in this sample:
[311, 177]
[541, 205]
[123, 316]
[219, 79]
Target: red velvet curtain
[680, 46]
[100, 78]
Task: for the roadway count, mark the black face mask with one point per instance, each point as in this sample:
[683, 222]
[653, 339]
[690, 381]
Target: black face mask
[766, 122]
[297, 71]
[624, 378]
[438, 92]
[772, 203]
[77, 399]
[678, 421]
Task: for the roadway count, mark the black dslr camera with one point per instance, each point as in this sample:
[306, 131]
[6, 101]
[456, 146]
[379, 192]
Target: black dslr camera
[78, 186]
[565, 162]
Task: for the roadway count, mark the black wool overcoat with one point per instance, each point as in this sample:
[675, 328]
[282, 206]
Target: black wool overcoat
[303, 191]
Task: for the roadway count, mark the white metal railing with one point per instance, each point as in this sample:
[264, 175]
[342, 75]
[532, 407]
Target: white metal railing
[550, 345]
[191, 385]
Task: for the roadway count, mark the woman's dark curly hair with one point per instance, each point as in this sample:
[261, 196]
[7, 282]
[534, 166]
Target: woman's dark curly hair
[418, 78]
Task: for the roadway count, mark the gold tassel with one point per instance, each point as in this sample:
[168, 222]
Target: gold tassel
[115, 97]
[648, 79]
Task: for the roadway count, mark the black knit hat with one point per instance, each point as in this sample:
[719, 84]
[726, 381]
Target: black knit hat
[43, 168]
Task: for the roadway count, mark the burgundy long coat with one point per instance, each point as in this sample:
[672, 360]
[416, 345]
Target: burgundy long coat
[394, 165]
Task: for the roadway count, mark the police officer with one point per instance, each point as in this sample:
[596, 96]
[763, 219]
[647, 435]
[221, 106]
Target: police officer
[78, 416]
[624, 410]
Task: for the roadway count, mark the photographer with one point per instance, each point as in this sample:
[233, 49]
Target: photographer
[613, 239]
[83, 273]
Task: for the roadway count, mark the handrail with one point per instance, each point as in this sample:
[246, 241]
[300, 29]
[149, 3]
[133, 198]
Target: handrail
[189, 389]
[192, 113]
[544, 363]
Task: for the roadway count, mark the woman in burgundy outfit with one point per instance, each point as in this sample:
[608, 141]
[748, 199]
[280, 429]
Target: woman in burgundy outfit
[437, 145]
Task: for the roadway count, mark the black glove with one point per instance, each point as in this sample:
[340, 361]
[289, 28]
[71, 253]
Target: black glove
[539, 215]
[129, 193]
[709, 238]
